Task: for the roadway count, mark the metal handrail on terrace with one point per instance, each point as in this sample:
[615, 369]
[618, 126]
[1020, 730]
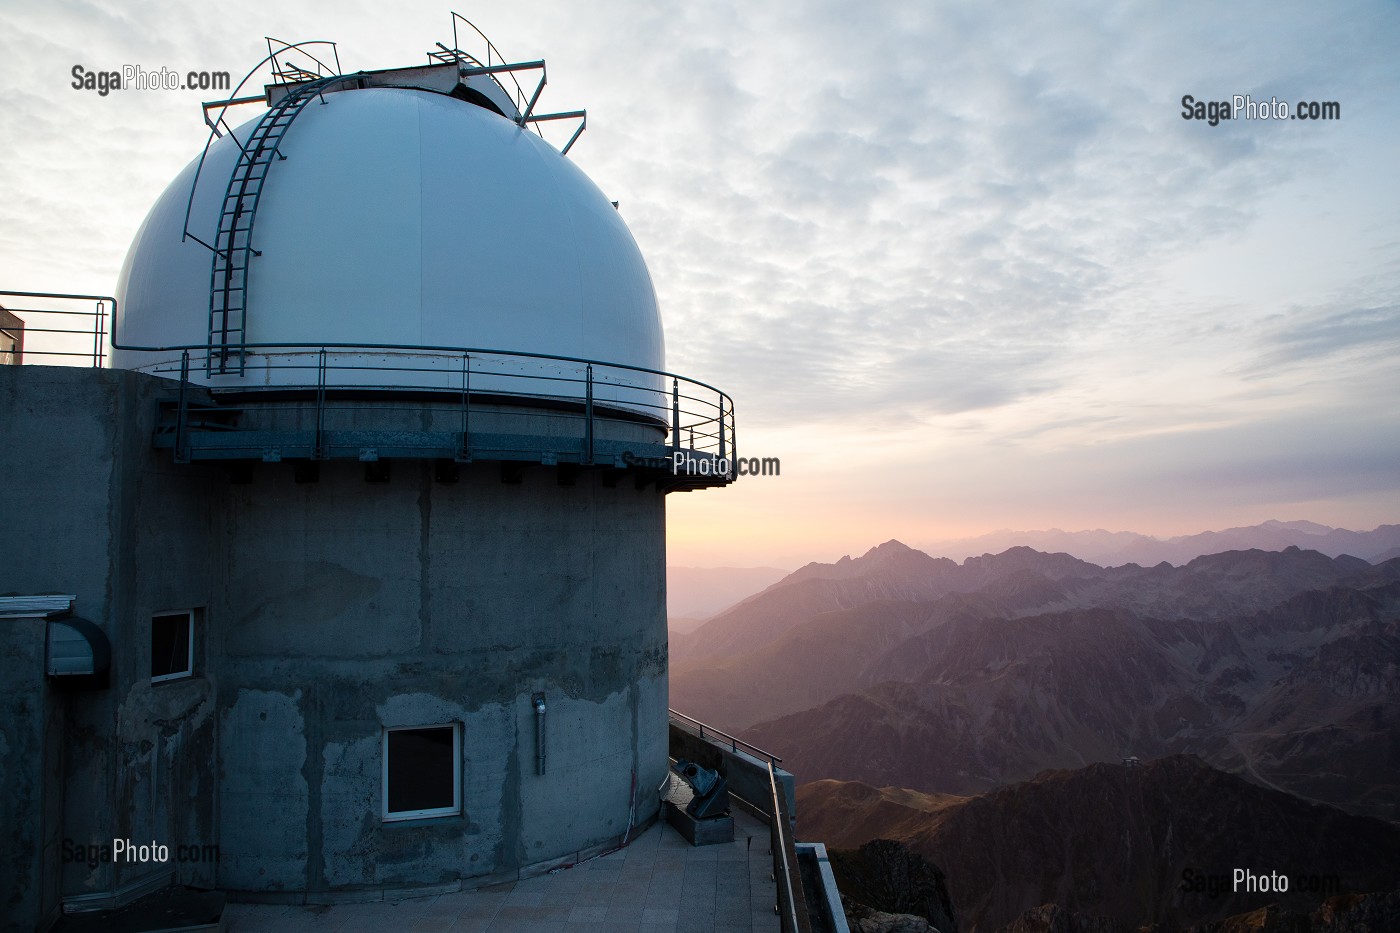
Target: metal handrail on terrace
[82, 345]
[706, 419]
[792, 912]
[688, 409]
[790, 907]
[733, 741]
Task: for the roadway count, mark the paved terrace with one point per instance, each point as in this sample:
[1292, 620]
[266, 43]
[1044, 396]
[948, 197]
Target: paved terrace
[658, 884]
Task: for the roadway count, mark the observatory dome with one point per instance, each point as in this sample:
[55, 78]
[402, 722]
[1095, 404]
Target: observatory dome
[399, 217]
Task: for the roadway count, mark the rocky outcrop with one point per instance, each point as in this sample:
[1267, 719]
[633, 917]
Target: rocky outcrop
[1155, 844]
[1361, 913]
[863, 919]
[1052, 918]
[887, 886]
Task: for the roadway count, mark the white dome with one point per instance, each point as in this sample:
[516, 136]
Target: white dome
[399, 217]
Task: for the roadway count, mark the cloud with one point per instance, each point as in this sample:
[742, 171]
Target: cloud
[1369, 334]
[963, 185]
[862, 216]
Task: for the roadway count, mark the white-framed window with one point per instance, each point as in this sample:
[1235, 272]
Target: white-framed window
[172, 645]
[422, 771]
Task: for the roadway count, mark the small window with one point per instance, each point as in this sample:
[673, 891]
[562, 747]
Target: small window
[172, 645]
[421, 774]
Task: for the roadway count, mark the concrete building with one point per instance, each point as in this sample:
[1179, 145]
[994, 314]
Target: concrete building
[354, 545]
[11, 338]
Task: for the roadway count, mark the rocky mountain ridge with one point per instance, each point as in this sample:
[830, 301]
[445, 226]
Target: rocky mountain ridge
[1112, 548]
[900, 669]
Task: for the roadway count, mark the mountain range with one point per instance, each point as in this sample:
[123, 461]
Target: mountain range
[1112, 548]
[694, 594]
[897, 668]
[1046, 744]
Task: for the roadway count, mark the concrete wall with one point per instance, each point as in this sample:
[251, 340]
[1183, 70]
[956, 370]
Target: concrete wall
[92, 510]
[327, 612]
[31, 773]
[356, 607]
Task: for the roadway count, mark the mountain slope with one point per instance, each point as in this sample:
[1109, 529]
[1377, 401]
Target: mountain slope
[1140, 845]
[890, 572]
[1303, 695]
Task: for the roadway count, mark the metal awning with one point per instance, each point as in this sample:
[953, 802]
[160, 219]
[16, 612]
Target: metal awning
[77, 653]
[35, 607]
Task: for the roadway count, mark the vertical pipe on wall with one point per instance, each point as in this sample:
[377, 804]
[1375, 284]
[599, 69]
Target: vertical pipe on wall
[539, 733]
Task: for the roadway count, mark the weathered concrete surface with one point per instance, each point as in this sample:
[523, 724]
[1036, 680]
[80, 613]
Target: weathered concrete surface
[368, 606]
[326, 613]
[31, 773]
[93, 511]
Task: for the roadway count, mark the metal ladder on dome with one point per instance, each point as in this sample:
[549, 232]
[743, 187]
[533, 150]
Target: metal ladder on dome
[233, 243]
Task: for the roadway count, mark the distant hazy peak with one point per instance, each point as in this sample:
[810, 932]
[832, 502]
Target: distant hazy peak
[1118, 548]
[1306, 527]
[892, 546]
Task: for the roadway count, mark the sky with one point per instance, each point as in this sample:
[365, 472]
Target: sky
[962, 266]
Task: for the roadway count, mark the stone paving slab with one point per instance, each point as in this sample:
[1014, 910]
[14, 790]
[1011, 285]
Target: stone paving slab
[658, 884]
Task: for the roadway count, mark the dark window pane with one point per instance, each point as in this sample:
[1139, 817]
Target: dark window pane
[170, 645]
[421, 773]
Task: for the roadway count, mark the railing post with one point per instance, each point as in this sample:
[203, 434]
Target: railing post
[792, 915]
[319, 451]
[181, 454]
[721, 426]
[464, 452]
[99, 331]
[675, 415]
[733, 443]
[588, 419]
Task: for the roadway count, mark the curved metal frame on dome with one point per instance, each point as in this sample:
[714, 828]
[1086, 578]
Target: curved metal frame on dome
[232, 249]
[232, 100]
[494, 65]
[293, 73]
[456, 54]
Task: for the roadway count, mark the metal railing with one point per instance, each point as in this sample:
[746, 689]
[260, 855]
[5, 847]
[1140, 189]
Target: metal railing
[792, 906]
[791, 903]
[733, 741]
[81, 342]
[698, 417]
